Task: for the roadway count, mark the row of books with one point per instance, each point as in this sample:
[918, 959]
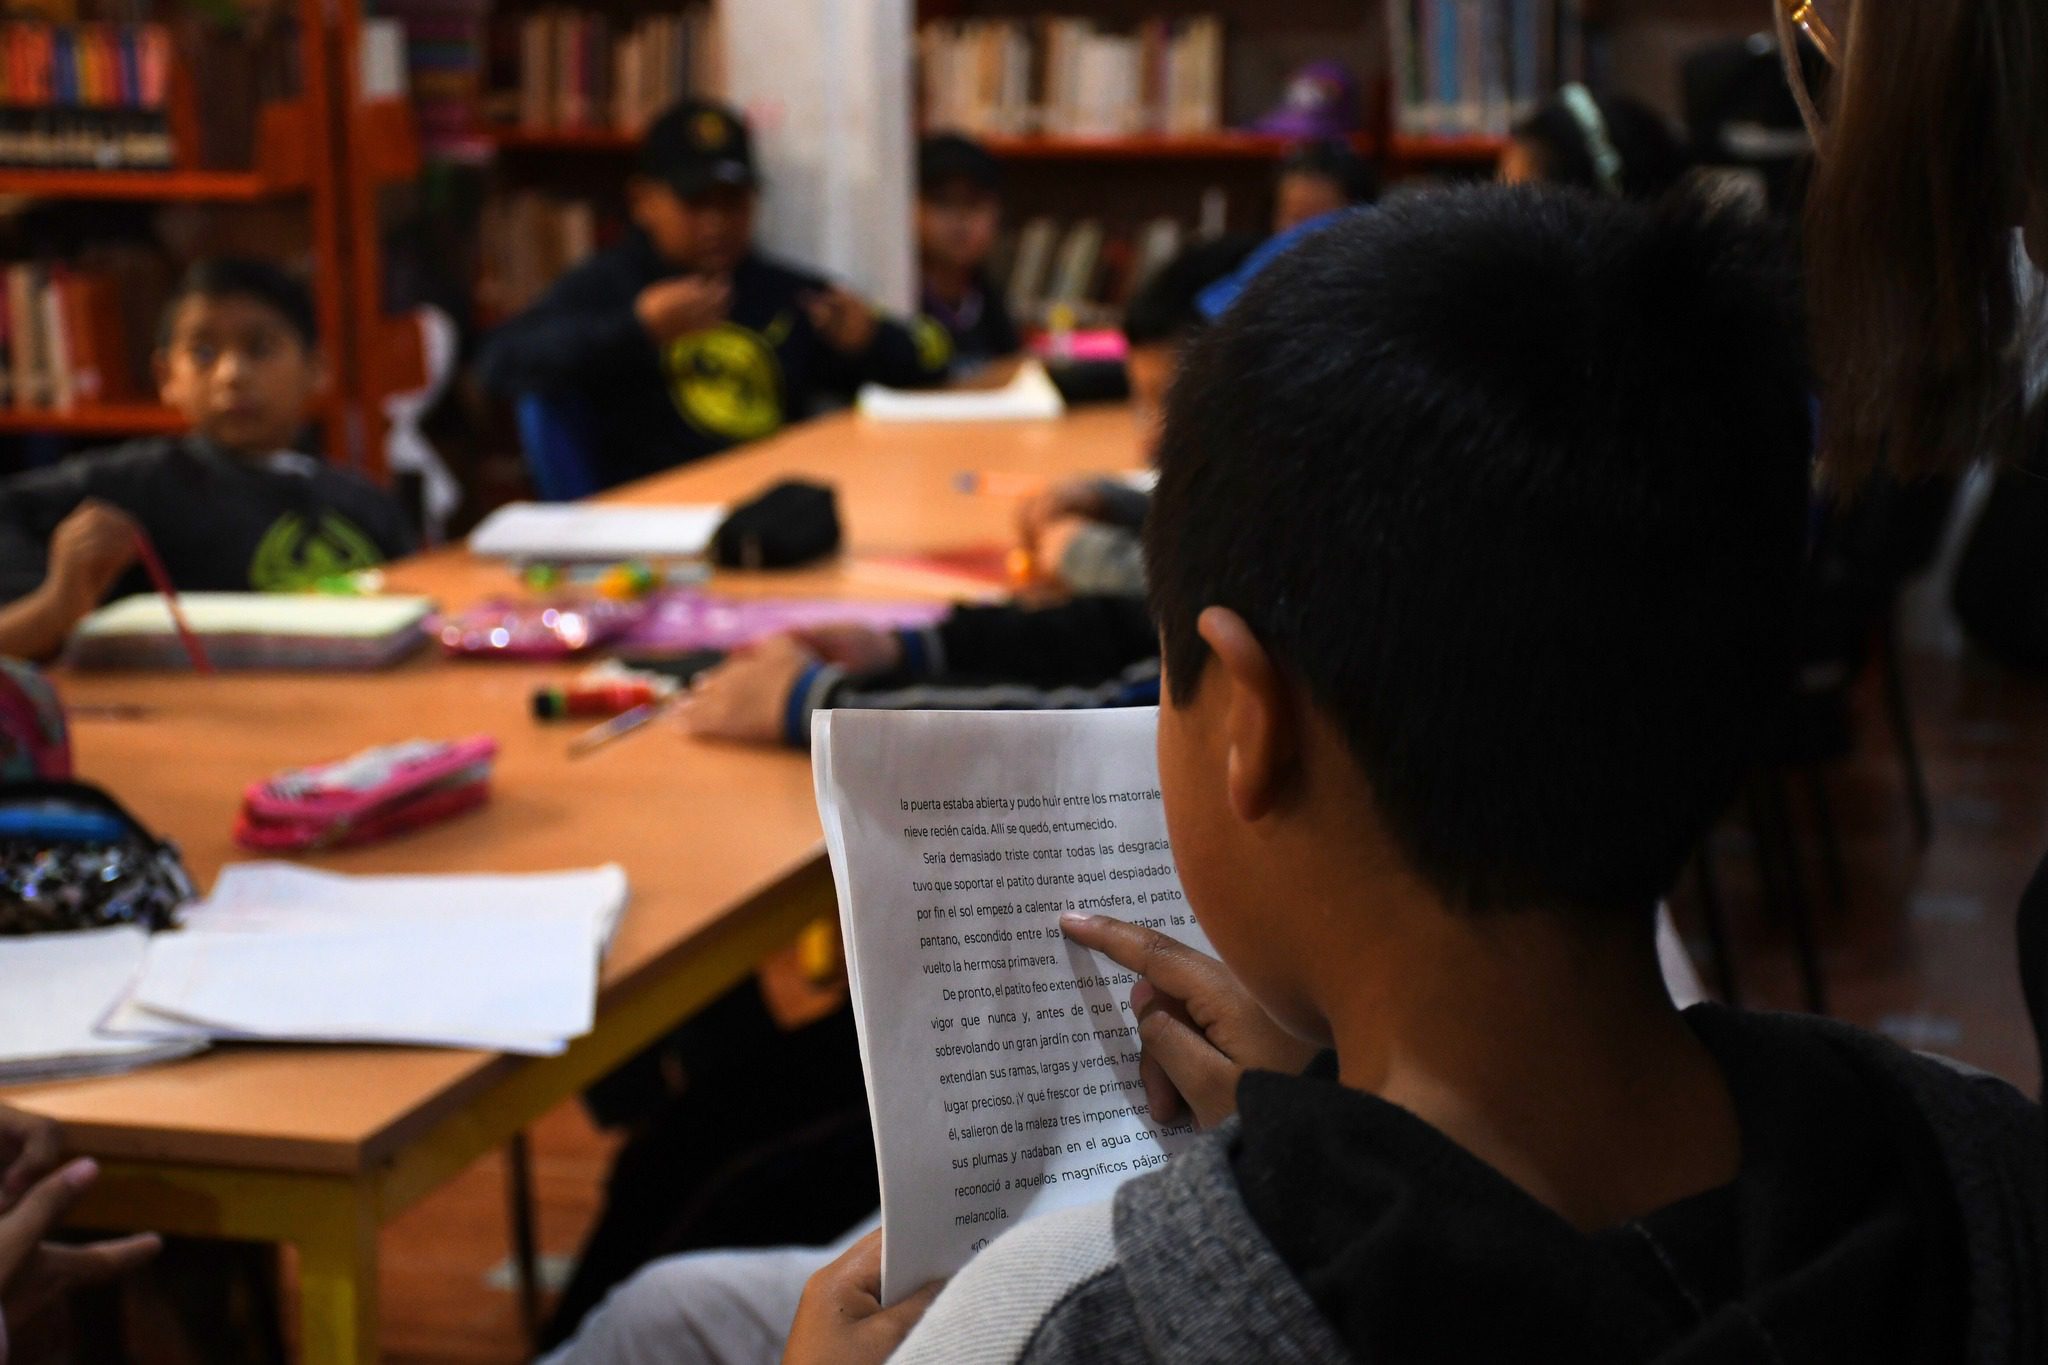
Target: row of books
[1479, 66]
[84, 66]
[571, 69]
[1081, 272]
[1067, 77]
[102, 141]
[62, 338]
[525, 241]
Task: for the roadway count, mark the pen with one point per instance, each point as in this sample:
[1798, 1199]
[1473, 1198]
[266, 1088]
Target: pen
[625, 723]
[161, 579]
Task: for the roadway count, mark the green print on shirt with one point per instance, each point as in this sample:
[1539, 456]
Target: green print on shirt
[295, 556]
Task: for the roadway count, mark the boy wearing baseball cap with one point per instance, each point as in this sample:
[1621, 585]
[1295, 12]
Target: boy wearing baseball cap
[682, 340]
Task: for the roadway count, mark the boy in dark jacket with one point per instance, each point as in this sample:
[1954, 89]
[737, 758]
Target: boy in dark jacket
[959, 212]
[1475, 556]
[683, 340]
[231, 507]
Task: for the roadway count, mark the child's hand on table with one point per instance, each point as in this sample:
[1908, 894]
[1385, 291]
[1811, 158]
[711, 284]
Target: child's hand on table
[35, 1191]
[855, 648]
[1063, 501]
[747, 697]
[840, 1319]
[1200, 1027]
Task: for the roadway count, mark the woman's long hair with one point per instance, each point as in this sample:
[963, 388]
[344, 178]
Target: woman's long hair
[1925, 324]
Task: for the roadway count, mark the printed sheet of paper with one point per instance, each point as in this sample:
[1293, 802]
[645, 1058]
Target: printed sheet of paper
[1002, 1061]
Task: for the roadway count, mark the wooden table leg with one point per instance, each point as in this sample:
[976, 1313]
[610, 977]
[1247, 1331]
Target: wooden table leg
[338, 1279]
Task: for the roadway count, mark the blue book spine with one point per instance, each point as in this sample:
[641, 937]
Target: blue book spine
[64, 67]
[1447, 92]
[130, 57]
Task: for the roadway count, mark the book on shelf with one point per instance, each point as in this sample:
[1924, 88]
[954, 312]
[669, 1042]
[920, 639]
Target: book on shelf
[85, 96]
[1071, 78]
[62, 337]
[527, 240]
[1477, 67]
[445, 56]
[1084, 270]
[563, 69]
[235, 67]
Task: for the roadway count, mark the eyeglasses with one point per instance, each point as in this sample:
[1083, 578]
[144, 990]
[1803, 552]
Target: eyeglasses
[1824, 21]
[1825, 24]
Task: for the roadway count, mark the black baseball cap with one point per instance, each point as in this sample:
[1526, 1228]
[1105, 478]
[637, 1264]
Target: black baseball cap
[946, 157]
[697, 145]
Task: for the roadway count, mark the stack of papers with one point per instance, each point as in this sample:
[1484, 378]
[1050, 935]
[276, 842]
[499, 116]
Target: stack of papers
[1030, 396]
[572, 532]
[284, 953]
[58, 989]
[254, 630]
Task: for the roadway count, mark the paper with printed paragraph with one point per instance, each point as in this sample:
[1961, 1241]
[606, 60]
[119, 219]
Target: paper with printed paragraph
[1002, 1060]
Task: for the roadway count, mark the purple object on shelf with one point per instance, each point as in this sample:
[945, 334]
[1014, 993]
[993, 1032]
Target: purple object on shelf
[682, 621]
[1321, 100]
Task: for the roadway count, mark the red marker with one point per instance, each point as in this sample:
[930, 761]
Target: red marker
[591, 699]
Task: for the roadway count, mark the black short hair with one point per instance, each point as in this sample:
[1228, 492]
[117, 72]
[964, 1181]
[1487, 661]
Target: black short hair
[949, 158]
[1513, 483]
[1333, 159]
[227, 277]
[1164, 306]
[1652, 159]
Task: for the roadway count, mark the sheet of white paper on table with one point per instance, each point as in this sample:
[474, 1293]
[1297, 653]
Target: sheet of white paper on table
[1029, 396]
[987, 1038]
[596, 531]
[55, 988]
[503, 963]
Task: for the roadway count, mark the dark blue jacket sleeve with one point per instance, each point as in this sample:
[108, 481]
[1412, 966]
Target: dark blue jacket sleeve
[582, 329]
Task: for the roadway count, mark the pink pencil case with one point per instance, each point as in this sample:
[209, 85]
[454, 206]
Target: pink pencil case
[371, 795]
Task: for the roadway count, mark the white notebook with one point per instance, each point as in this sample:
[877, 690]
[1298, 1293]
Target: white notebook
[570, 531]
[1029, 396]
[57, 988]
[285, 953]
[1001, 1060]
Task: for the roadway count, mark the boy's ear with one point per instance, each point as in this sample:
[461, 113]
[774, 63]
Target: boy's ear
[1259, 722]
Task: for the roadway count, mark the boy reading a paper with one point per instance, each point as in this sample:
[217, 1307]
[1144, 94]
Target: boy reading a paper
[1474, 556]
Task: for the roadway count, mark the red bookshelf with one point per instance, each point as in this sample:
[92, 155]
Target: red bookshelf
[217, 186]
[1427, 150]
[93, 419]
[1220, 146]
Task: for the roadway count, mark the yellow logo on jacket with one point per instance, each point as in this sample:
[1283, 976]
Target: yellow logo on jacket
[296, 555]
[726, 381]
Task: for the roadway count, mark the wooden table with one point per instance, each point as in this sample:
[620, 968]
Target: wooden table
[318, 1146]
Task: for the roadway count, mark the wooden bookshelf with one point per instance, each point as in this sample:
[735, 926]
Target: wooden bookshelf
[93, 419]
[1441, 150]
[615, 140]
[1228, 145]
[216, 186]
